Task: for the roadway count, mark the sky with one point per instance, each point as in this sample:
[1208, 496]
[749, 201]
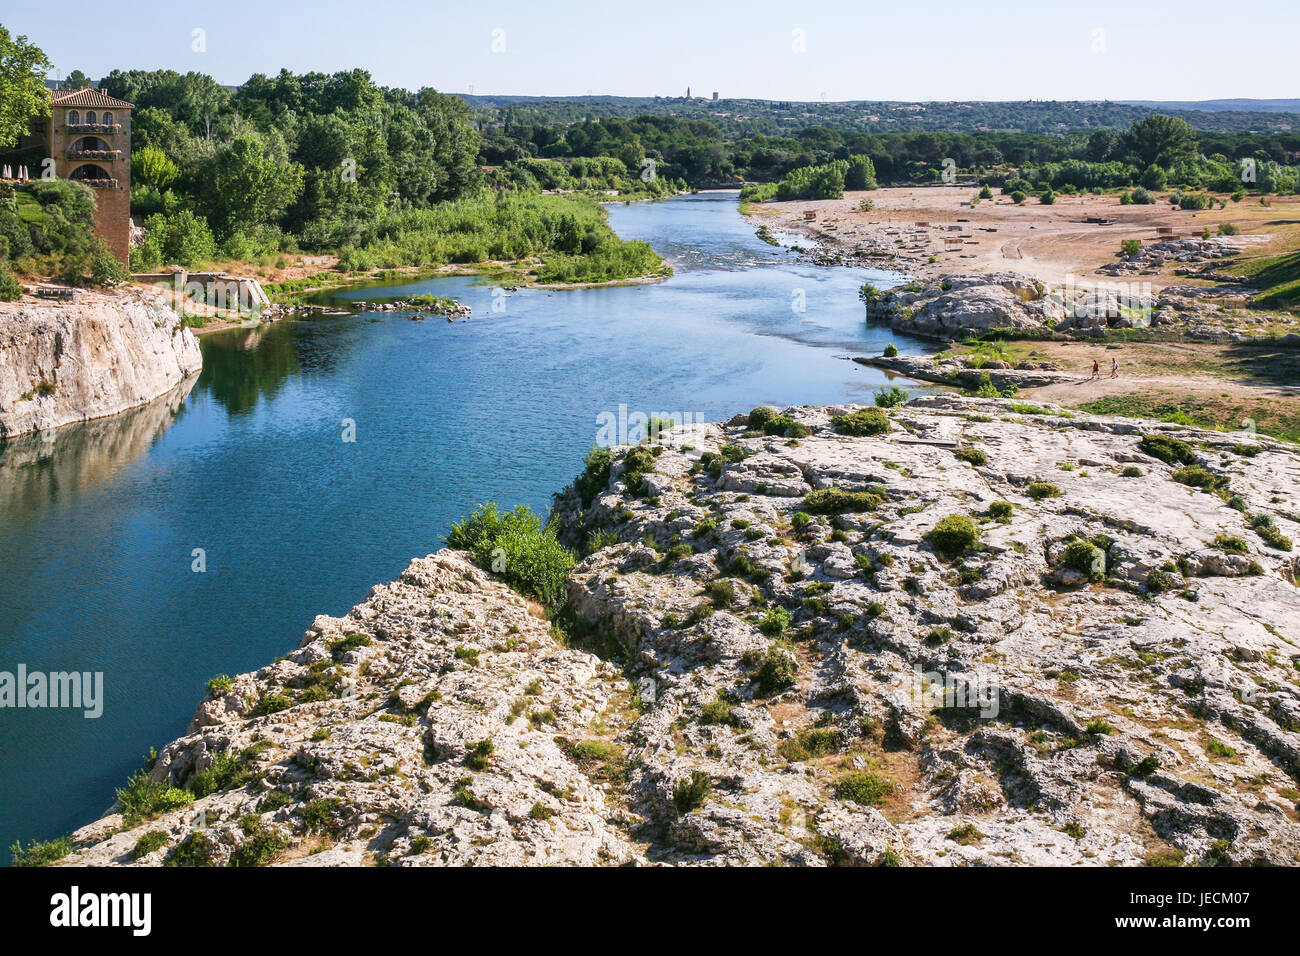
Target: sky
[819, 50]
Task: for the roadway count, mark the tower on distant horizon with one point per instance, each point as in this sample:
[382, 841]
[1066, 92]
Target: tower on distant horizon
[688, 92]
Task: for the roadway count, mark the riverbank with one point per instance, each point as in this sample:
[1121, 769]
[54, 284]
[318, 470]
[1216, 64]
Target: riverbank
[937, 231]
[739, 679]
[93, 355]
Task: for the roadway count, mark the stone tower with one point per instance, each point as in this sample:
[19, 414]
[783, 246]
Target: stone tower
[90, 141]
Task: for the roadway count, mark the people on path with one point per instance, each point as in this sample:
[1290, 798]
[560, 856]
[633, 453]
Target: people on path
[1096, 370]
[1114, 367]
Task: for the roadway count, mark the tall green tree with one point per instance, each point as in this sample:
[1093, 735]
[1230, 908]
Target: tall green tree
[1161, 140]
[245, 186]
[22, 86]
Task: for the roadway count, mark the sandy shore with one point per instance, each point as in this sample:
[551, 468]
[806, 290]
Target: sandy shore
[930, 232]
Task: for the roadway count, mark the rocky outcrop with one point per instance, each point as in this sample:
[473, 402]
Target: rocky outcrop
[968, 372]
[960, 307]
[787, 650]
[963, 306]
[97, 354]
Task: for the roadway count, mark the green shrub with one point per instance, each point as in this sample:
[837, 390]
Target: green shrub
[865, 421]
[1158, 582]
[319, 816]
[1131, 247]
[11, 290]
[760, 416]
[891, 350]
[1269, 532]
[812, 742]
[480, 755]
[1086, 557]
[1132, 471]
[197, 849]
[225, 771]
[974, 456]
[272, 703]
[786, 426]
[1038, 490]
[594, 479]
[826, 501]
[954, 535]
[891, 397]
[721, 592]
[40, 853]
[347, 643]
[144, 798]
[717, 711]
[1195, 476]
[1231, 544]
[777, 671]
[1172, 451]
[1001, 510]
[151, 841]
[690, 794]
[938, 636]
[864, 788]
[220, 685]
[260, 844]
[516, 546]
[774, 621]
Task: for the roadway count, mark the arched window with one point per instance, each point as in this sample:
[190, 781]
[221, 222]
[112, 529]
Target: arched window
[91, 174]
[90, 144]
[90, 117]
[107, 118]
[74, 118]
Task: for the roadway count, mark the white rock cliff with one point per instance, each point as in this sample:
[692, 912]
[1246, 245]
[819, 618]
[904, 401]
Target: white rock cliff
[96, 355]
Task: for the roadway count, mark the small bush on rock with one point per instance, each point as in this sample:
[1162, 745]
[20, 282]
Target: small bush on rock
[954, 535]
[1087, 558]
[865, 421]
[1171, 451]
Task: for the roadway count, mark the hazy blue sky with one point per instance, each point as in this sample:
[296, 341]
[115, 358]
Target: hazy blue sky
[932, 50]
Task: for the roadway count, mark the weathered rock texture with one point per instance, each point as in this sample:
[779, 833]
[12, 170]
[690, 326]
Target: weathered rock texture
[958, 307]
[1107, 676]
[96, 355]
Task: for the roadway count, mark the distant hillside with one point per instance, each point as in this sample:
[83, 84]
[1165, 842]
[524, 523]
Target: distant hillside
[1216, 106]
[745, 117]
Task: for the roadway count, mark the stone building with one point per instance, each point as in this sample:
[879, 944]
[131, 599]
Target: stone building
[88, 138]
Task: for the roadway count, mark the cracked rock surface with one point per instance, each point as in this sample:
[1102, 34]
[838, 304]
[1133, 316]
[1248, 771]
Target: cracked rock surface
[779, 651]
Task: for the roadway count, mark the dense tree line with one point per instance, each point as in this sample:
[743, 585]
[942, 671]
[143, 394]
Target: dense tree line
[700, 154]
[744, 118]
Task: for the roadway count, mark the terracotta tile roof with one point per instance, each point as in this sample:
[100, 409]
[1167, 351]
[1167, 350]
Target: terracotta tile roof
[87, 97]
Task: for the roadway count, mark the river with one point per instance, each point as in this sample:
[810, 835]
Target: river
[201, 534]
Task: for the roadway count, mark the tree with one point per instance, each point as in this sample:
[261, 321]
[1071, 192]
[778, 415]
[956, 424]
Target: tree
[22, 86]
[1161, 140]
[247, 187]
[153, 168]
[77, 81]
[861, 173]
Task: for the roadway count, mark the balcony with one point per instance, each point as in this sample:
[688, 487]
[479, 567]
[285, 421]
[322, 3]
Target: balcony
[79, 128]
[84, 155]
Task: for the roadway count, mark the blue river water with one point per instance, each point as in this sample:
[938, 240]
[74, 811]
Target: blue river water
[100, 530]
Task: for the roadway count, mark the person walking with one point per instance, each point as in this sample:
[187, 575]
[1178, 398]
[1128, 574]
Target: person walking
[1096, 370]
[1114, 367]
